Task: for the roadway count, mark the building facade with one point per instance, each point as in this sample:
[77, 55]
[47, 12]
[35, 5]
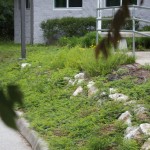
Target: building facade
[40, 10]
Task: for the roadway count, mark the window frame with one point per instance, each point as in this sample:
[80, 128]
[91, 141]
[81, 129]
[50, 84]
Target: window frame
[67, 6]
[120, 3]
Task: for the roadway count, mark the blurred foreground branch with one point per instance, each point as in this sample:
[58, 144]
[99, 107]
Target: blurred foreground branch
[7, 103]
[114, 32]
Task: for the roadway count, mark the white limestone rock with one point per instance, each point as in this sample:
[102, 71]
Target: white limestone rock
[103, 94]
[146, 145]
[112, 90]
[90, 84]
[67, 78]
[126, 118]
[78, 91]
[132, 133]
[24, 65]
[79, 76]
[92, 88]
[80, 81]
[72, 82]
[145, 128]
[140, 110]
[119, 97]
[132, 102]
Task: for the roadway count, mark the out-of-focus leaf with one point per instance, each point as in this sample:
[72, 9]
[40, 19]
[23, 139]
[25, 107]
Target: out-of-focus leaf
[114, 33]
[7, 112]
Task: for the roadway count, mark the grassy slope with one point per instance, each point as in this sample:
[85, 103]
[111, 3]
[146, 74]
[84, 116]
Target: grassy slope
[68, 122]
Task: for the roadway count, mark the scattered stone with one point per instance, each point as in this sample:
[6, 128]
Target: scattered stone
[103, 94]
[142, 113]
[78, 91]
[132, 102]
[66, 78]
[126, 118]
[79, 76]
[23, 65]
[92, 89]
[132, 133]
[146, 145]
[72, 82]
[90, 84]
[140, 110]
[119, 97]
[112, 90]
[145, 128]
[100, 102]
[80, 81]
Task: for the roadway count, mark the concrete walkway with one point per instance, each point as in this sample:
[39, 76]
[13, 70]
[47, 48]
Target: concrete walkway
[143, 58]
[12, 140]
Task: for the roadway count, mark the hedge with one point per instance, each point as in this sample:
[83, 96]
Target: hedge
[68, 27]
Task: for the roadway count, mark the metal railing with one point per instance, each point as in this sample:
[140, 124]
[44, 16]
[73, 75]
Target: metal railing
[133, 9]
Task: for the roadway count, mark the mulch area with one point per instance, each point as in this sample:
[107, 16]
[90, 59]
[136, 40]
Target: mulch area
[134, 70]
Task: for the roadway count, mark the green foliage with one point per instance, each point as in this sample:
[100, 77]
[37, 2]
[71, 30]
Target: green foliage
[129, 145]
[83, 60]
[69, 41]
[6, 19]
[64, 121]
[7, 102]
[141, 43]
[67, 27]
[127, 26]
[87, 41]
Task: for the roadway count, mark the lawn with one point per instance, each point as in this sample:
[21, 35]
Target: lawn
[70, 122]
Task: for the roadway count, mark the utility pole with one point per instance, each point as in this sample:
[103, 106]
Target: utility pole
[23, 35]
[99, 5]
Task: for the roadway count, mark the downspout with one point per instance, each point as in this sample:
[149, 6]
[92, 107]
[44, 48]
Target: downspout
[32, 22]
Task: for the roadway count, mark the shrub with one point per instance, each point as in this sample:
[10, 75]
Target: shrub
[89, 40]
[69, 41]
[6, 20]
[68, 27]
[128, 25]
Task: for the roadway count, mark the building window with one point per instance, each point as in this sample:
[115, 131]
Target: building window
[67, 3]
[118, 2]
[112, 3]
[27, 4]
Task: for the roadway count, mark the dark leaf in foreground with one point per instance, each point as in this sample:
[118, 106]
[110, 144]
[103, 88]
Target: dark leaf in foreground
[7, 112]
[114, 33]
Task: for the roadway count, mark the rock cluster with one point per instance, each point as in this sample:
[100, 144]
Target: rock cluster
[132, 132]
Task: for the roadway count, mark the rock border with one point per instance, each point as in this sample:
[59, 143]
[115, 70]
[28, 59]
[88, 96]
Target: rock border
[30, 135]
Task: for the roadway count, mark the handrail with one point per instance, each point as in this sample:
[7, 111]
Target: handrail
[133, 18]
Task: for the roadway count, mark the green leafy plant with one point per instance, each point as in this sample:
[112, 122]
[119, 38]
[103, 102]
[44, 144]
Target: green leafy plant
[68, 26]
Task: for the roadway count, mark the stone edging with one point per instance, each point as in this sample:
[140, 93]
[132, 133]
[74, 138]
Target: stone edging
[30, 135]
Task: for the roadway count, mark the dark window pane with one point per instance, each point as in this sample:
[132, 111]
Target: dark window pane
[27, 4]
[75, 3]
[112, 3]
[60, 3]
[133, 2]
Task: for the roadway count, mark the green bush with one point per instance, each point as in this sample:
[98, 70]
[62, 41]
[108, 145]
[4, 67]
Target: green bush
[6, 20]
[141, 43]
[128, 25]
[146, 28]
[89, 40]
[68, 27]
[69, 41]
